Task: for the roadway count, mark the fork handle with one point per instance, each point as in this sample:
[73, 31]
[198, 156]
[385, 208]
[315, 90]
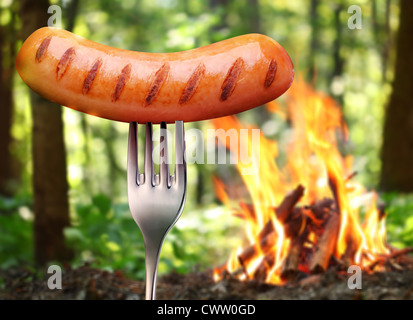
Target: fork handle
[152, 253]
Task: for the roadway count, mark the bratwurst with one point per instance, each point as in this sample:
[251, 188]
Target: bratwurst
[216, 80]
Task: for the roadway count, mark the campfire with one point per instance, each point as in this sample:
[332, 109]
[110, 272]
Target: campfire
[309, 214]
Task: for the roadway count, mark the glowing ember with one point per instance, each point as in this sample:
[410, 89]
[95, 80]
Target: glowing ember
[319, 222]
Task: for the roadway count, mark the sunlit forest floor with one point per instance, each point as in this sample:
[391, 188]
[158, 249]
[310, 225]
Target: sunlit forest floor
[87, 283]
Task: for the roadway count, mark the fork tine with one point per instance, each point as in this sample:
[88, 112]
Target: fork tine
[180, 165]
[149, 169]
[164, 165]
[132, 162]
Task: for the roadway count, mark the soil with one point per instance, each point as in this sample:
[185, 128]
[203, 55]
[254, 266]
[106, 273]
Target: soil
[88, 283]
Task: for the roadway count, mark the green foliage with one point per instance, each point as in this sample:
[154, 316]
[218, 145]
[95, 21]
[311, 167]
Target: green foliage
[201, 238]
[105, 234]
[16, 232]
[399, 219]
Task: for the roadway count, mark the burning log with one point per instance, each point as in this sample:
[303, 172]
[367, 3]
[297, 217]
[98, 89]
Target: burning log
[326, 245]
[287, 205]
[393, 255]
[351, 250]
[266, 264]
[296, 230]
[284, 210]
[290, 266]
[321, 209]
[264, 245]
[353, 240]
[268, 235]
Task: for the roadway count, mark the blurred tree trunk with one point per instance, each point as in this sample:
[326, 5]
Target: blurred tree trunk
[382, 34]
[337, 45]
[314, 42]
[215, 5]
[254, 16]
[71, 13]
[397, 151]
[109, 137]
[8, 164]
[385, 53]
[50, 186]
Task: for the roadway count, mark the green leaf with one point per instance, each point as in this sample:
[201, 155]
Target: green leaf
[113, 246]
[103, 203]
[178, 250]
[409, 224]
[74, 235]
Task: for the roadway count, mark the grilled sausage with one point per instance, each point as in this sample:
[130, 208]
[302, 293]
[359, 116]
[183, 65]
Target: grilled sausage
[223, 78]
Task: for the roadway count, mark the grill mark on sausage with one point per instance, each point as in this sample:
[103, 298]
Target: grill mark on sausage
[192, 84]
[65, 62]
[230, 81]
[156, 85]
[41, 51]
[87, 84]
[122, 79]
[272, 70]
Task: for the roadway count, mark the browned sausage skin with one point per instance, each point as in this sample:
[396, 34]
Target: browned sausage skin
[223, 78]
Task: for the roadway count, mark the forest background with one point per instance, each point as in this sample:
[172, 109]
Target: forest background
[63, 173]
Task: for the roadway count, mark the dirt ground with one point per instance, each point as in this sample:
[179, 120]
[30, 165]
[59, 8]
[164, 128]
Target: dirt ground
[87, 283]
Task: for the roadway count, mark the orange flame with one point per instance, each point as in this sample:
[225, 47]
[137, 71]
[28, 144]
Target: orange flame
[314, 161]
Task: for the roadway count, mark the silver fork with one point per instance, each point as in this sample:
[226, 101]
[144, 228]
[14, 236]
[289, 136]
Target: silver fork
[156, 201]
